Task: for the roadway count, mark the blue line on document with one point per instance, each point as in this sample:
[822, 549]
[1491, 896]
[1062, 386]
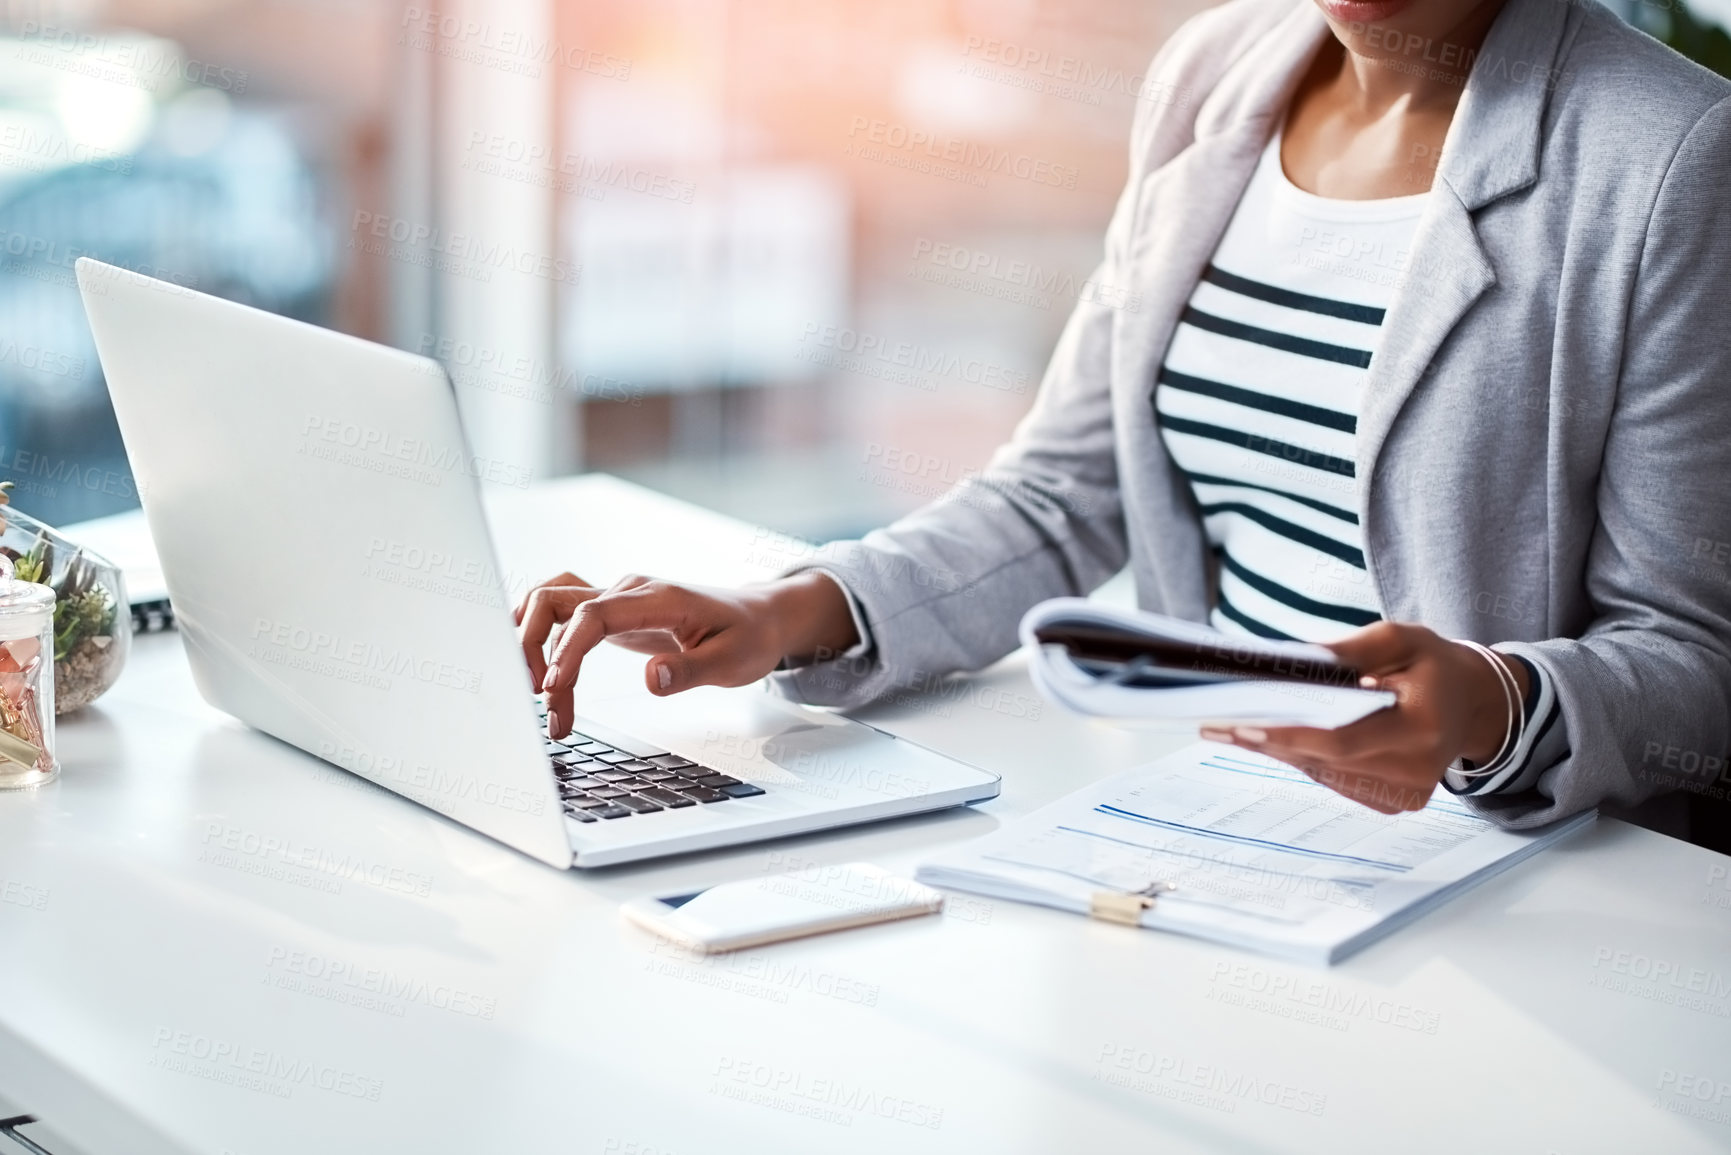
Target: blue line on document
[1246, 840]
[1300, 778]
[1210, 859]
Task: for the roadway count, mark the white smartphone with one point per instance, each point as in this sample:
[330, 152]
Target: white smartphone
[756, 911]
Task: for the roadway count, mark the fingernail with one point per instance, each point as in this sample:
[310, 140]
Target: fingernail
[552, 676]
[1250, 734]
[1211, 734]
[1367, 682]
[663, 677]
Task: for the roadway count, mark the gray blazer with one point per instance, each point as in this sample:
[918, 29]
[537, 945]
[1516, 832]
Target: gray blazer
[1545, 445]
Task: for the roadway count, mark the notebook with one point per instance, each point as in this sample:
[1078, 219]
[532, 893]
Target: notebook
[1146, 668]
[1222, 844]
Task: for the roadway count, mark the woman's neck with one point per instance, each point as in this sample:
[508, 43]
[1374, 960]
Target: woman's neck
[1370, 118]
[1413, 65]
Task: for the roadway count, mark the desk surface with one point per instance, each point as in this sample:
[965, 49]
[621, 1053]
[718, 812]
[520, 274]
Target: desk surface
[212, 943]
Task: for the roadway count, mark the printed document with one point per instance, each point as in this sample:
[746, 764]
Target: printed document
[1255, 853]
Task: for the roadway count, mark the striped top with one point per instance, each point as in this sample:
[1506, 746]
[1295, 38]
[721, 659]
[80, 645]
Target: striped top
[1258, 402]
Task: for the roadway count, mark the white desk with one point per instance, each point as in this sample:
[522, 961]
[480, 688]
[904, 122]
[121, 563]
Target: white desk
[522, 1015]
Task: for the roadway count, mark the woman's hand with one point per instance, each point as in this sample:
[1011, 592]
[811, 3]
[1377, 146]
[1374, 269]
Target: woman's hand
[1449, 704]
[698, 636]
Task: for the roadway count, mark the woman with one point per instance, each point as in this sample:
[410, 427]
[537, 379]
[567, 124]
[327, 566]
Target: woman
[1433, 346]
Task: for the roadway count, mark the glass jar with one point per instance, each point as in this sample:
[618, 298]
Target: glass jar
[26, 682]
[92, 625]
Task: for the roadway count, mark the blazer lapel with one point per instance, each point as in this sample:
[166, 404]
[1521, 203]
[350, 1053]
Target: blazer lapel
[1447, 272]
[1190, 199]
[1492, 150]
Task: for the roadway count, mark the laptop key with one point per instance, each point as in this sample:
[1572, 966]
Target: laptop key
[636, 766]
[703, 794]
[670, 761]
[657, 775]
[584, 783]
[608, 792]
[614, 774]
[641, 805]
[611, 811]
[580, 815]
[556, 747]
[716, 781]
[614, 757]
[667, 798]
[742, 790]
[584, 746]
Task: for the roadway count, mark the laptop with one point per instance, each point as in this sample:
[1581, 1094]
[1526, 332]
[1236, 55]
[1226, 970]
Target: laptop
[318, 517]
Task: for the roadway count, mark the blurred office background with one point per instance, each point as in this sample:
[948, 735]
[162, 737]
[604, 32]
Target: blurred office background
[799, 260]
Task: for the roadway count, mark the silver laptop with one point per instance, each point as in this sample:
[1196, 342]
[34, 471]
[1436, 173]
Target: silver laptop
[298, 484]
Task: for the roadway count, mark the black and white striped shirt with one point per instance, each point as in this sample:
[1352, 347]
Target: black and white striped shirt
[1258, 402]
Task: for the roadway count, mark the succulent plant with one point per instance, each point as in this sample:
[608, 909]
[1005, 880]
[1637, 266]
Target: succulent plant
[88, 615]
[82, 609]
[35, 565]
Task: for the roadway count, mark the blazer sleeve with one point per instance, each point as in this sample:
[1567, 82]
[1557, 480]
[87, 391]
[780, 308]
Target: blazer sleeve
[1646, 691]
[944, 588]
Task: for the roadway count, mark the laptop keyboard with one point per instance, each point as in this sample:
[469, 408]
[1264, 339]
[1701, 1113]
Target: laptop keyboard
[600, 782]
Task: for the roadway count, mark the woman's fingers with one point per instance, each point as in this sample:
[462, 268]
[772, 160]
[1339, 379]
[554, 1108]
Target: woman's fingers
[651, 607]
[1367, 790]
[1383, 731]
[639, 641]
[698, 637]
[544, 608]
[1384, 791]
[632, 612]
[1389, 782]
[646, 642]
[1370, 761]
[1393, 759]
[635, 611]
[722, 659]
[695, 636]
[1379, 648]
[630, 581]
[564, 579]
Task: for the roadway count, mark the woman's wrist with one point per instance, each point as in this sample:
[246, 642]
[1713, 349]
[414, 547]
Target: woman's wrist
[807, 615]
[1489, 717]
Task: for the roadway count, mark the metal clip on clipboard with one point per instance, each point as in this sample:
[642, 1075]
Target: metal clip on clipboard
[1126, 907]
